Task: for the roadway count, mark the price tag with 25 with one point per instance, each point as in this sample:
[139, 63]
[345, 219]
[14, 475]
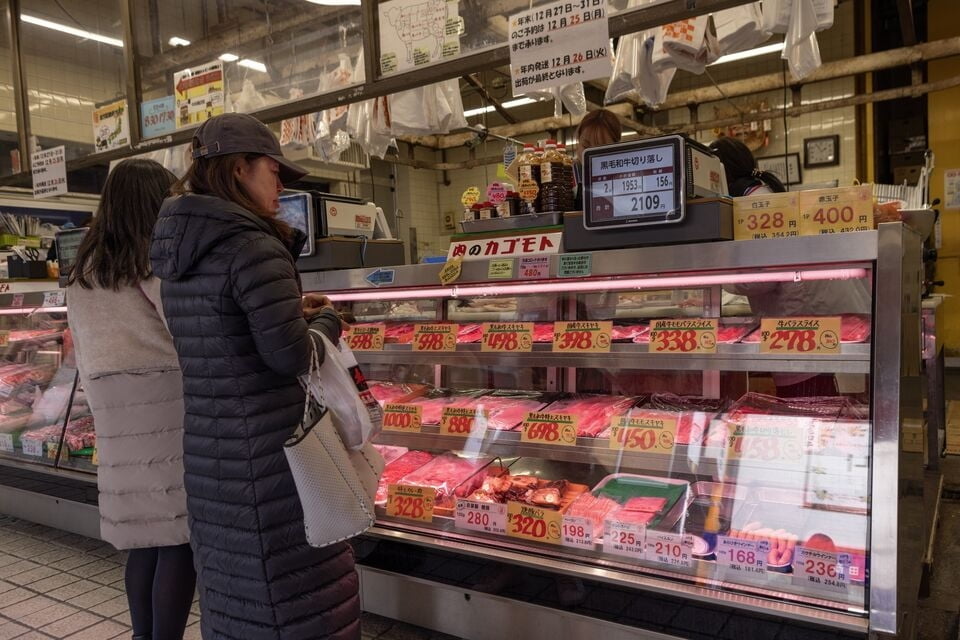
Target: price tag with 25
[407, 418]
[655, 432]
[688, 335]
[510, 337]
[624, 538]
[484, 517]
[534, 523]
[368, 337]
[800, 336]
[550, 428]
[410, 503]
[582, 337]
[435, 337]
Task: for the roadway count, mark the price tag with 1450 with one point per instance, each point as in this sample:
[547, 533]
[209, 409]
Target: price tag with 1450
[687, 335]
[772, 439]
[582, 337]
[650, 432]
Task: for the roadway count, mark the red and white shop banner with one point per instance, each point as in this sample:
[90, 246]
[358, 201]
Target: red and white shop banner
[527, 245]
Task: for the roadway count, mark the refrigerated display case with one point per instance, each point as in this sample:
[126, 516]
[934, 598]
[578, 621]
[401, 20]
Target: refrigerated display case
[651, 457]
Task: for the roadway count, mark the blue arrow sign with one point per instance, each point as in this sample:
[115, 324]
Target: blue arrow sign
[381, 276]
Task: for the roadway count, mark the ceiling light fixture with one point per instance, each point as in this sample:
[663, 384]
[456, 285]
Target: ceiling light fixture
[229, 57]
[776, 47]
[519, 102]
[177, 41]
[253, 64]
[62, 28]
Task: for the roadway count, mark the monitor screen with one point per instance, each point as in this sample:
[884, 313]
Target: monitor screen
[68, 243]
[297, 211]
[633, 184]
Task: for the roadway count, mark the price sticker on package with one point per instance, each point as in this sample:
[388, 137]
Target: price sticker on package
[508, 337]
[550, 428]
[366, 337]
[687, 335]
[407, 418]
[6, 442]
[54, 298]
[651, 433]
[772, 215]
[744, 557]
[577, 532]
[435, 337]
[410, 503]
[582, 337]
[800, 336]
[771, 439]
[821, 570]
[32, 447]
[840, 210]
[4, 338]
[463, 421]
[485, 517]
[673, 549]
[533, 523]
[624, 538]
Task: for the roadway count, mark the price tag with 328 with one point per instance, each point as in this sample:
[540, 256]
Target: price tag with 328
[800, 336]
[369, 337]
[582, 337]
[687, 335]
[410, 502]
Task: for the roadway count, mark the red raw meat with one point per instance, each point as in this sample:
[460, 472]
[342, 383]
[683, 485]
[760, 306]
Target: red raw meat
[648, 504]
[732, 333]
[26, 334]
[386, 392]
[450, 475]
[399, 333]
[469, 333]
[628, 333]
[594, 412]
[543, 332]
[853, 329]
[694, 413]
[633, 517]
[594, 508]
[753, 403]
[394, 472]
[506, 412]
[434, 405]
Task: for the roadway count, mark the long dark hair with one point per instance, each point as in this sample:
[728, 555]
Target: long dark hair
[116, 249]
[741, 167]
[216, 176]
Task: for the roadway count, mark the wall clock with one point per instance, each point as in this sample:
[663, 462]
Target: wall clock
[821, 152]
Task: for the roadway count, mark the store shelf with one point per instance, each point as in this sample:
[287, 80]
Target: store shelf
[854, 358]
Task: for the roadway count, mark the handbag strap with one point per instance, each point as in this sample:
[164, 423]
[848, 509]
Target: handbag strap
[312, 379]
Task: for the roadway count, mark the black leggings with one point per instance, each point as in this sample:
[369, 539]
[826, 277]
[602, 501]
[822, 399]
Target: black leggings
[160, 585]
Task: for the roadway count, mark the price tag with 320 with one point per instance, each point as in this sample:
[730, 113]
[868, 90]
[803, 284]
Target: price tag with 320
[534, 523]
[800, 336]
[435, 337]
[688, 335]
[510, 337]
[410, 502]
[653, 432]
[582, 337]
[366, 337]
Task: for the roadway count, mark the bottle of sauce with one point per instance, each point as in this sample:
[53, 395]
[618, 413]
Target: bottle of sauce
[568, 172]
[553, 179]
[528, 166]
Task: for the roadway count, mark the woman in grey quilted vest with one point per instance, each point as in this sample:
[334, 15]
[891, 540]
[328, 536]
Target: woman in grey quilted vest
[131, 375]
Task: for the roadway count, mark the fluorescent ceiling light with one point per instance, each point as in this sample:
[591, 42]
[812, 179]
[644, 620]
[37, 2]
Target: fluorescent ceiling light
[253, 64]
[337, 3]
[80, 33]
[229, 57]
[519, 102]
[776, 47]
[177, 41]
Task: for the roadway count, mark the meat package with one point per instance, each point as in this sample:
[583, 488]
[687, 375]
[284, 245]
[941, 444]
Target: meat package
[628, 333]
[394, 471]
[79, 434]
[752, 403]
[30, 335]
[387, 392]
[695, 414]
[543, 332]
[854, 328]
[436, 400]
[389, 452]
[398, 333]
[539, 492]
[594, 412]
[632, 498]
[452, 476]
[469, 333]
[507, 409]
[12, 376]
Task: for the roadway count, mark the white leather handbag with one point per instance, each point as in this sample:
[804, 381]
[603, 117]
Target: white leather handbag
[336, 485]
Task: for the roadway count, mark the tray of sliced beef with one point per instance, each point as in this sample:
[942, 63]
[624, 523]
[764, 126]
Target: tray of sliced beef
[396, 469]
[507, 409]
[451, 476]
[593, 412]
[469, 333]
[434, 401]
[387, 392]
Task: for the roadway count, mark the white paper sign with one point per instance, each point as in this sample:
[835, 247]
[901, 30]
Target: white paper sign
[6, 442]
[624, 538]
[418, 32]
[533, 244]
[559, 43]
[484, 517]
[54, 298]
[951, 187]
[32, 447]
[673, 549]
[49, 169]
[111, 125]
[743, 556]
[577, 532]
[821, 570]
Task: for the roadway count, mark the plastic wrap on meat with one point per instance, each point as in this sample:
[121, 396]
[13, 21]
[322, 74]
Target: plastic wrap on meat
[633, 516]
[594, 413]
[469, 333]
[594, 508]
[435, 401]
[854, 328]
[13, 376]
[521, 488]
[648, 504]
[506, 411]
[386, 392]
[626, 333]
[389, 453]
[80, 434]
[694, 414]
[27, 335]
[398, 333]
[543, 332]
[732, 333]
[451, 476]
[11, 422]
[394, 472]
[753, 403]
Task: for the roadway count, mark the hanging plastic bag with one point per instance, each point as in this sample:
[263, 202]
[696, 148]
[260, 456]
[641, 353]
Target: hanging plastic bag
[652, 85]
[739, 28]
[685, 42]
[413, 112]
[801, 49]
[776, 15]
[249, 100]
[626, 67]
[451, 113]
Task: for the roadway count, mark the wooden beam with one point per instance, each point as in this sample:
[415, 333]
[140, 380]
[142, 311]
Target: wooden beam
[473, 82]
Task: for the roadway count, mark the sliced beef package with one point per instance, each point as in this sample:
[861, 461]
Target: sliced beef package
[695, 414]
[594, 412]
[469, 333]
[628, 333]
[387, 392]
[452, 476]
[507, 409]
[436, 400]
[394, 471]
[398, 333]
[543, 332]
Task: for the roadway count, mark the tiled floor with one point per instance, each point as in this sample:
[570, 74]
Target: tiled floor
[60, 585]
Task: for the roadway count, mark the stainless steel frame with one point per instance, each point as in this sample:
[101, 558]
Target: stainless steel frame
[892, 253]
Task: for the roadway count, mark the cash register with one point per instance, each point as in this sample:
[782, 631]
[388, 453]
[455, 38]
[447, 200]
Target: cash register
[663, 190]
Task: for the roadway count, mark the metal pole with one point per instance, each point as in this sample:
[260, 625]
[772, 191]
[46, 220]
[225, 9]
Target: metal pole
[21, 100]
[132, 61]
[371, 40]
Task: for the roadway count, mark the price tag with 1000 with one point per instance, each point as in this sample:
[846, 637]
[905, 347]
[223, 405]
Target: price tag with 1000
[407, 418]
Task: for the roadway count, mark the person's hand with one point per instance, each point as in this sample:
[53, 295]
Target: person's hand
[314, 303]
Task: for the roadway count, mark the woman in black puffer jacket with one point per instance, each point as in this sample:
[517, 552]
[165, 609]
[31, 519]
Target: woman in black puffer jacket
[233, 303]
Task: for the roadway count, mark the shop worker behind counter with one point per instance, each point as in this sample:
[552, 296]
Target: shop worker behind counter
[783, 299]
[232, 299]
[131, 377]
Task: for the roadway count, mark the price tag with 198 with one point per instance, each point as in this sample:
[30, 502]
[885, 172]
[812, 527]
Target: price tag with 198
[577, 532]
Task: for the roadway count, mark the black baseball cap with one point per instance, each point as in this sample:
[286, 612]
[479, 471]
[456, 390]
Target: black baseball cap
[242, 133]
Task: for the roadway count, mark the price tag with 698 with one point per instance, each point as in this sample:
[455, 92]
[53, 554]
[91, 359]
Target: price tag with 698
[549, 428]
[407, 418]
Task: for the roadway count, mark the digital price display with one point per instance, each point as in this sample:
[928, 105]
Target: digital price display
[634, 184]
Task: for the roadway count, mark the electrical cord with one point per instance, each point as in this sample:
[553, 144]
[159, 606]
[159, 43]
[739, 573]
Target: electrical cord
[786, 133]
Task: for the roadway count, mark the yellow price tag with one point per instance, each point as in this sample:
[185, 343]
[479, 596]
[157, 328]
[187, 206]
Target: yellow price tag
[450, 272]
[470, 197]
[772, 439]
[4, 338]
[366, 337]
[840, 210]
[410, 502]
[507, 336]
[407, 418]
[652, 432]
[461, 421]
[688, 335]
[435, 337]
[800, 336]
[550, 428]
[533, 523]
[582, 337]
[770, 215]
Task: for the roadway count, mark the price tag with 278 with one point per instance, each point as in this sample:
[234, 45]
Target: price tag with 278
[800, 336]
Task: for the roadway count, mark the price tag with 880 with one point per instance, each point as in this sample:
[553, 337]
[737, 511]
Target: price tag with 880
[484, 517]
[800, 336]
[366, 337]
[410, 503]
[821, 570]
[582, 337]
[577, 532]
[672, 549]
[743, 556]
[534, 523]
[624, 538]
[507, 336]
[650, 432]
[407, 418]
[693, 335]
[462, 421]
[435, 337]
[550, 428]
